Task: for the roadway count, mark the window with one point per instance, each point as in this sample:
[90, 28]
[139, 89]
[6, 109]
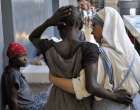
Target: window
[27, 15]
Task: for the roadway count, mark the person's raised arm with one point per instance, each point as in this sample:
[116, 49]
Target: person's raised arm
[35, 36]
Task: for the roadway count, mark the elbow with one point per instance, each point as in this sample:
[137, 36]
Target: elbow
[92, 88]
[31, 38]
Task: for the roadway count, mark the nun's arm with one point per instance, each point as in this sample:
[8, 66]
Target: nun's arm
[63, 83]
[75, 85]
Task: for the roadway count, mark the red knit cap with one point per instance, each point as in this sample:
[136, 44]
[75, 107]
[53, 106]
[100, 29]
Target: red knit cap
[16, 49]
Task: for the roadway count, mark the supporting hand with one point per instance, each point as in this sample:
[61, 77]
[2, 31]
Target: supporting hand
[122, 96]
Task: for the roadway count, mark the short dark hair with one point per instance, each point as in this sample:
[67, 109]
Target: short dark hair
[13, 60]
[74, 19]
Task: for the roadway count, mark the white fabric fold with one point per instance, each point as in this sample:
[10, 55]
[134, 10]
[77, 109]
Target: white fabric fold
[79, 86]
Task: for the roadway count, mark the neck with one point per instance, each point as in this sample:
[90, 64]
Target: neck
[14, 66]
[70, 34]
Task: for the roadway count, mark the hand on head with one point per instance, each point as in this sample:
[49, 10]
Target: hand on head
[58, 15]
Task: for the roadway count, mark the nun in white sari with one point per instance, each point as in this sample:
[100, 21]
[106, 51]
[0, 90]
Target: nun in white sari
[124, 59]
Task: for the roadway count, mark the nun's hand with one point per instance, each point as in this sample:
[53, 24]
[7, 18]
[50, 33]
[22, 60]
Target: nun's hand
[58, 15]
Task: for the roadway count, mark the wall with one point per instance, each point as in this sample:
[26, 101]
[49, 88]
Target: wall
[67, 2]
[63, 2]
[73, 2]
[7, 26]
[112, 3]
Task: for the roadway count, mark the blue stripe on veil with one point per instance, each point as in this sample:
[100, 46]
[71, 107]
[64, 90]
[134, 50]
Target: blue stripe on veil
[107, 65]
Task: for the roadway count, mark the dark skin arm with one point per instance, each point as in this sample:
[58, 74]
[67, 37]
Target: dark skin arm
[13, 105]
[93, 87]
[91, 83]
[35, 36]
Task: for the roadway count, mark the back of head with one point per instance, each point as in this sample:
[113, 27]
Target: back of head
[73, 20]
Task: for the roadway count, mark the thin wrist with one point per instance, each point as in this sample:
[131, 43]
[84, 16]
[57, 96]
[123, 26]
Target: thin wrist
[112, 96]
[48, 22]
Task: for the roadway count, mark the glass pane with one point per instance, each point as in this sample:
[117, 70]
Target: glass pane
[27, 15]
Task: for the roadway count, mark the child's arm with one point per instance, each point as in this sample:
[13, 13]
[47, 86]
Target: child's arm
[13, 99]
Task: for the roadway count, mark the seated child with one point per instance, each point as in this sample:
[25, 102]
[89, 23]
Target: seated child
[16, 92]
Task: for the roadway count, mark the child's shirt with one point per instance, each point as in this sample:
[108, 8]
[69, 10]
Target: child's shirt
[13, 78]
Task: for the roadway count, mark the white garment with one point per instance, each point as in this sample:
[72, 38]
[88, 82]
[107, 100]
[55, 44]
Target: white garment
[79, 86]
[119, 50]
